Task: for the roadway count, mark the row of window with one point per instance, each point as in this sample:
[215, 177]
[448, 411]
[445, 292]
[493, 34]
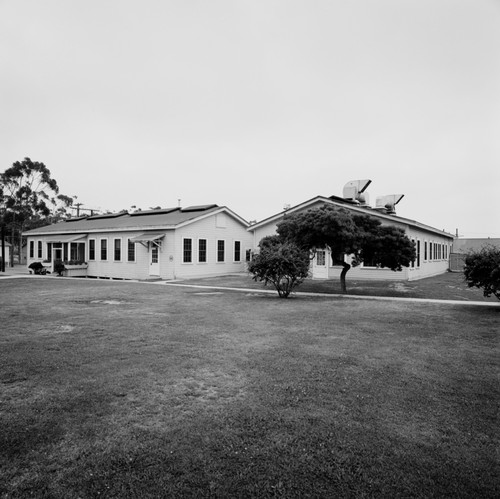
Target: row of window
[432, 251]
[188, 251]
[117, 250]
[99, 248]
[437, 251]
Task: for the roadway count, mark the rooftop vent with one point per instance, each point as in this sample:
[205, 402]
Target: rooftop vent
[354, 190]
[387, 203]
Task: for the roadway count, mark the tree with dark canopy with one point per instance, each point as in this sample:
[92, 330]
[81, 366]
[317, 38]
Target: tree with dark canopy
[346, 233]
[482, 270]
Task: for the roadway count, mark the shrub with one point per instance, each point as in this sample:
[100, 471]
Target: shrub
[482, 270]
[59, 267]
[284, 265]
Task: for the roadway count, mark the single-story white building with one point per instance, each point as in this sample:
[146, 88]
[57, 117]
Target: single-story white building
[167, 243]
[432, 245]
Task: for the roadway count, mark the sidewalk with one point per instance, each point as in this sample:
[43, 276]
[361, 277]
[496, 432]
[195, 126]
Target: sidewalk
[17, 270]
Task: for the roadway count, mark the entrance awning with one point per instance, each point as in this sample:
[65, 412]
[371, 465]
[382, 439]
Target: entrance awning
[68, 238]
[148, 237]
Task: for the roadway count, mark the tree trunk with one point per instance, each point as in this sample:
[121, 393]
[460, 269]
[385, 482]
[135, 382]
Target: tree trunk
[343, 287]
[12, 245]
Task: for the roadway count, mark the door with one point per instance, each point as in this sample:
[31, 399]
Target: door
[320, 269]
[154, 263]
[57, 254]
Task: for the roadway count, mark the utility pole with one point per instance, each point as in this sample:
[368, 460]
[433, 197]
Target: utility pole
[78, 209]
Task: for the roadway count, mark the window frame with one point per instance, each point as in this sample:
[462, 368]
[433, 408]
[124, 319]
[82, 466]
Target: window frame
[237, 252]
[187, 250]
[130, 247]
[219, 250]
[92, 247]
[202, 251]
[103, 249]
[119, 248]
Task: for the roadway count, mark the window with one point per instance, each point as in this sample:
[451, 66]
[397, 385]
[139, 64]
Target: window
[320, 257]
[237, 251]
[202, 250]
[248, 255]
[118, 250]
[32, 249]
[413, 261]
[339, 258]
[220, 250]
[154, 254]
[425, 251]
[430, 251]
[73, 251]
[49, 252]
[91, 249]
[187, 255]
[40, 249]
[418, 252]
[104, 249]
[131, 251]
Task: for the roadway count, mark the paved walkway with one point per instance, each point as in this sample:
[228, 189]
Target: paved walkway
[347, 296]
[19, 271]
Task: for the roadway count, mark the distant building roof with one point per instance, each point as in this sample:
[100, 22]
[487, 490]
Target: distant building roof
[474, 244]
[167, 218]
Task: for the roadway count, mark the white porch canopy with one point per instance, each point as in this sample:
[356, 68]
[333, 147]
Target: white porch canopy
[149, 237]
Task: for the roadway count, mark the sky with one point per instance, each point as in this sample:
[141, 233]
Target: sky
[258, 104]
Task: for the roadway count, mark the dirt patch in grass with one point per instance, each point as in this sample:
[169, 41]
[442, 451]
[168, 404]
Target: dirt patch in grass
[182, 394]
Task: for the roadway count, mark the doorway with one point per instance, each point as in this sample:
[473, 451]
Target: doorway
[154, 263]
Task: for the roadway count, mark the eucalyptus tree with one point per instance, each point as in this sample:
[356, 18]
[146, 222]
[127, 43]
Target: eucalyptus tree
[29, 197]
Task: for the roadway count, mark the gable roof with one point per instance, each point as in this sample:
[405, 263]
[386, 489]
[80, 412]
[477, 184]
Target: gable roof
[162, 219]
[350, 205]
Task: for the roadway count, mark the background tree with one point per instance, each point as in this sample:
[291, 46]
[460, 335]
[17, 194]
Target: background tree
[482, 270]
[344, 233]
[29, 198]
[283, 264]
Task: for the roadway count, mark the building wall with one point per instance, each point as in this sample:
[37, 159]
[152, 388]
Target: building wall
[220, 227]
[122, 268]
[425, 266]
[170, 255]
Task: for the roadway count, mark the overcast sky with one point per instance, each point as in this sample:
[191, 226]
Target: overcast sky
[257, 104]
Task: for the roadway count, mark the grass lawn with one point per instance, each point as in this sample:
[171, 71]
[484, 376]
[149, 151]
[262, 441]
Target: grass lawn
[116, 389]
